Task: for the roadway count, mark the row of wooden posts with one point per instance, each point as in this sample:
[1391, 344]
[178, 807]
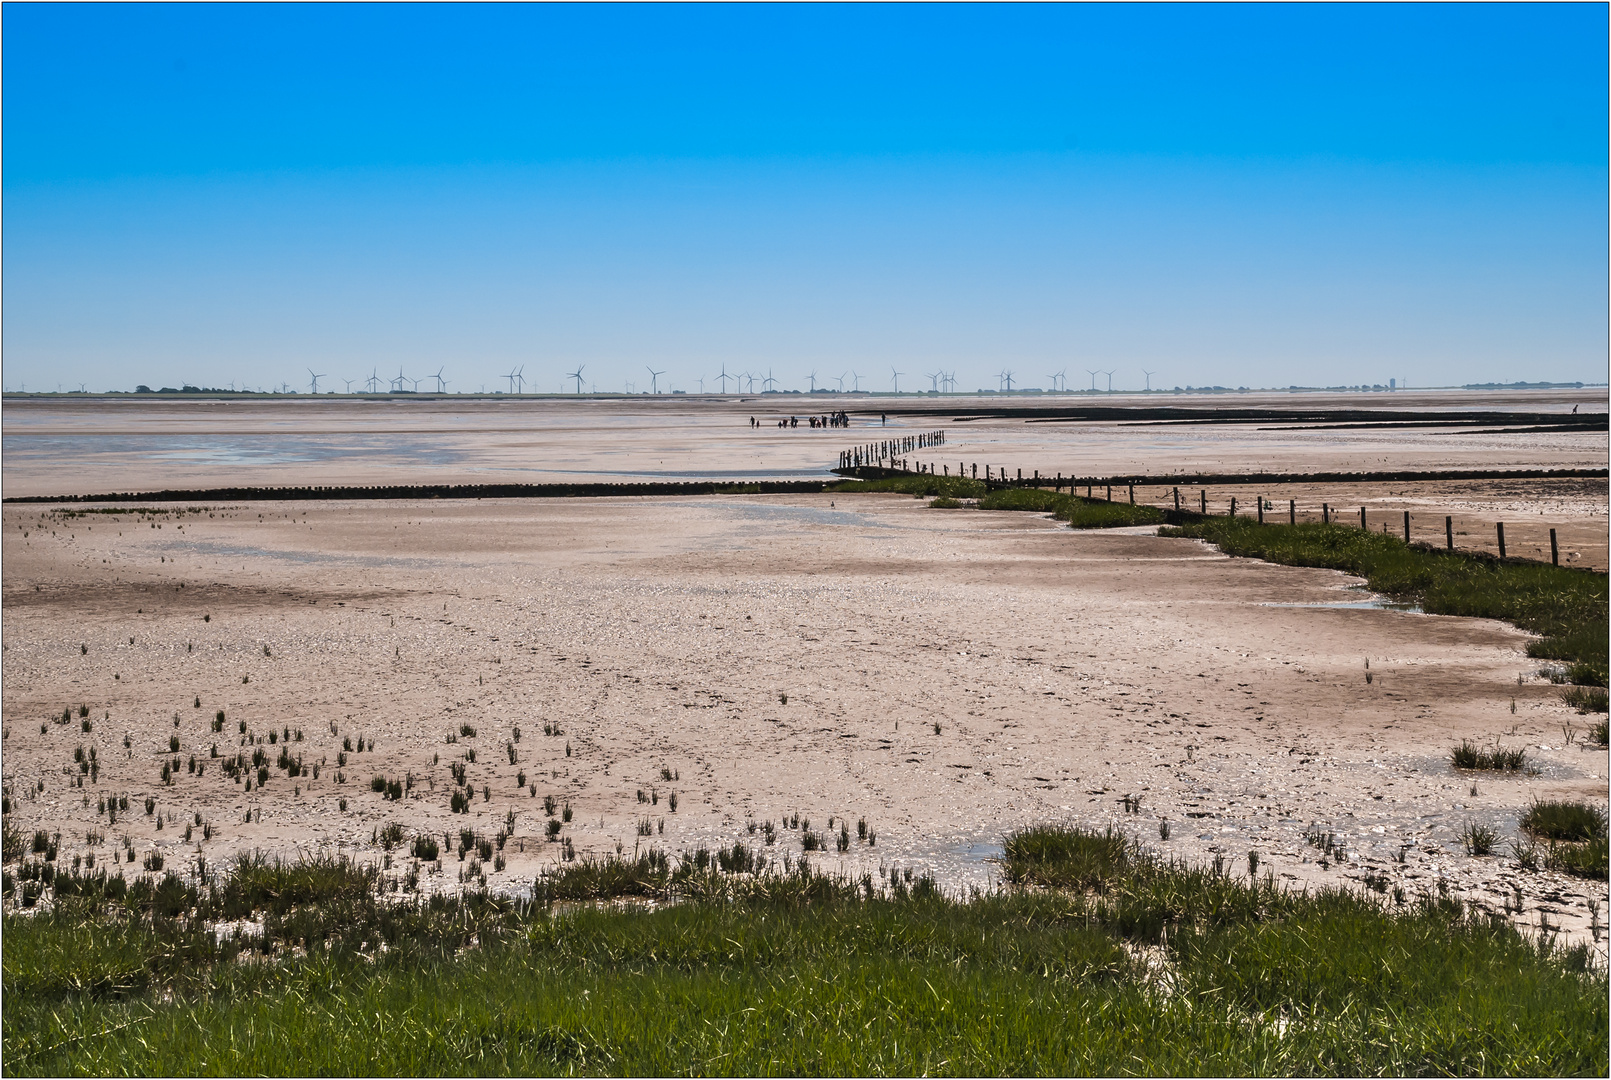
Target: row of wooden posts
[887, 453]
[1328, 513]
[876, 454]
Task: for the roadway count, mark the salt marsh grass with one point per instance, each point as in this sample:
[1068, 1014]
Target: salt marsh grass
[1469, 756]
[1170, 970]
[1567, 608]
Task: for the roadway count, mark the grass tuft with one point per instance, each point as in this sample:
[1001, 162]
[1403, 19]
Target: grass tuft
[1586, 699]
[1066, 856]
[1468, 756]
[1552, 819]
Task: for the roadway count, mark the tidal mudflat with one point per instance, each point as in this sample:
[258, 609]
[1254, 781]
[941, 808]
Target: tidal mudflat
[678, 672]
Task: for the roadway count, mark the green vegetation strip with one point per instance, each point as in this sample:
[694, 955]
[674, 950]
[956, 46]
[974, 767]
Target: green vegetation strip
[1145, 967]
[947, 490]
[1079, 513]
[1567, 608]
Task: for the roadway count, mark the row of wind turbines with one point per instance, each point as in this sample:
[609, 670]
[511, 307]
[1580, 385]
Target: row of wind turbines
[940, 382]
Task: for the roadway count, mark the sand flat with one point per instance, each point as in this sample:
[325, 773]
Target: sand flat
[1065, 670]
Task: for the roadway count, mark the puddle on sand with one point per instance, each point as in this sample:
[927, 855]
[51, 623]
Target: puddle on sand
[1377, 603]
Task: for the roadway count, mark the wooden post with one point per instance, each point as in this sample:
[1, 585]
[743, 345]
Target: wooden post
[1205, 501]
[1406, 526]
[1233, 506]
[1292, 511]
[1501, 539]
[1554, 550]
[1110, 493]
[1448, 531]
[1177, 500]
[1261, 509]
[1132, 494]
[1362, 524]
[1325, 513]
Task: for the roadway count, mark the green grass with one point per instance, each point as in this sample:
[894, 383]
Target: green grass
[947, 490]
[1079, 513]
[1555, 819]
[1589, 859]
[1055, 856]
[1468, 756]
[954, 487]
[1567, 608]
[1163, 969]
[1586, 699]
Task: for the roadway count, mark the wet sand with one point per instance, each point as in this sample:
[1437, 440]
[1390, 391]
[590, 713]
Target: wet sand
[948, 675]
[93, 445]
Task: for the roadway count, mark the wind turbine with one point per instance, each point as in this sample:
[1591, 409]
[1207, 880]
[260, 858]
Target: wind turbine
[840, 379]
[1059, 380]
[347, 381]
[397, 383]
[441, 383]
[813, 378]
[373, 382]
[654, 379]
[1149, 375]
[895, 378]
[934, 381]
[1093, 375]
[701, 384]
[723, 377]
[768, 381]
[856, 381]
[1007, 378]
[316, 377]
[1109, 374]
[577, 375]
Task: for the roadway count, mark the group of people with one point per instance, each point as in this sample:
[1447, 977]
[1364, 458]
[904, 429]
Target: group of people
[838, 419]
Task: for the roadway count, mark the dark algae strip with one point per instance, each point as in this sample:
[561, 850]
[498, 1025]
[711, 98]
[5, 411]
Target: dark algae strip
[759, 487]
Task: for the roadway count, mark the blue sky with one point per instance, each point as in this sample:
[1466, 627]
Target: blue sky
[1255, 195]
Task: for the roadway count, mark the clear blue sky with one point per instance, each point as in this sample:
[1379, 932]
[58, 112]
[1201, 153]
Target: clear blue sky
[1246, 195]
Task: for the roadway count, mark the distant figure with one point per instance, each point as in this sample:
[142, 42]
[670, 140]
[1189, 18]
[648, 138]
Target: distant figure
[883, 419]
[1574, 410]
